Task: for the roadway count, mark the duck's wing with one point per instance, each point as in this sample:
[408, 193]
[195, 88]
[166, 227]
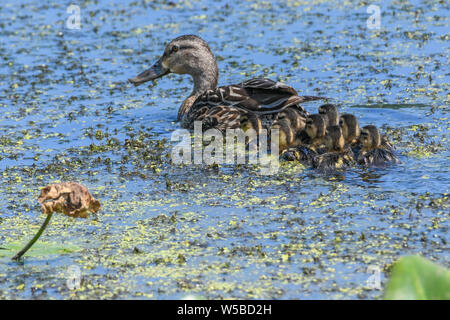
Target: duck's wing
[260, 95]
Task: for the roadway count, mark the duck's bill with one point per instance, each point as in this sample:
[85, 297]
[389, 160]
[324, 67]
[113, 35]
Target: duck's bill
[155, 72]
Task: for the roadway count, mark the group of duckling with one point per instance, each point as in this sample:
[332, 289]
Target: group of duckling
[332, 140]
[325, 140]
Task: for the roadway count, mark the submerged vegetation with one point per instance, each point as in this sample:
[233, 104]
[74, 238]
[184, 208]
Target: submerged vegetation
[168, 231]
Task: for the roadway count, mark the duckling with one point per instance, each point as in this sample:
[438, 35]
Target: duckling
[331, 114]
[289, 124]
[350, 128]
[375, 150]
[308, 145]
[221, 107]
[316, 129]
[250, 121]
[338, 155]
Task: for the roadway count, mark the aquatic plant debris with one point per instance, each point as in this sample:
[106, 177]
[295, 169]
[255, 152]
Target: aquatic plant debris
[70, 198]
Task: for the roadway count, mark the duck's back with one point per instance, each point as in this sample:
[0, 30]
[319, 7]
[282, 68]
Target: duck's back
[263, 97]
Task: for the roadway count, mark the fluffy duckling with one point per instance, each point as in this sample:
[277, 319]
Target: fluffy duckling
[350, 128]
[282, 122]
[250, 121]
[308, 140]
[315, 129]
[338, 155]
[376, 150]
[289, 124]
[331, 113]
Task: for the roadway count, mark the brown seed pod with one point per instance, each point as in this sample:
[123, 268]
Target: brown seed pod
[70, 198]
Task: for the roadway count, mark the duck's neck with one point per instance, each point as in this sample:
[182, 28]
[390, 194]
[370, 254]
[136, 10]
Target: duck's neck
[205, 79]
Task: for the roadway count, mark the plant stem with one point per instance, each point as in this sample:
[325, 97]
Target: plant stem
[35, 238]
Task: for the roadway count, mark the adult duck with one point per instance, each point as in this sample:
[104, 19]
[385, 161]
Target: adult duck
[222, 107]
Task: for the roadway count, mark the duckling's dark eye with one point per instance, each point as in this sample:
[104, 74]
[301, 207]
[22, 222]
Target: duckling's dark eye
[175, 48]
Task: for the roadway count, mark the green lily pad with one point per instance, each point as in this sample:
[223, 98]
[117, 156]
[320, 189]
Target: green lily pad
[39, 249]
[416, 278]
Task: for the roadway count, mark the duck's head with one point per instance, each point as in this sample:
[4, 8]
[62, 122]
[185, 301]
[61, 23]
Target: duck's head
[350, 127]
[331, 113]
[370, 137]
[334, 140]
[188, 54]
[315, 126]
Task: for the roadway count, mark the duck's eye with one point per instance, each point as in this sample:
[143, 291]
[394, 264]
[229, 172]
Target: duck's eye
[174, 48]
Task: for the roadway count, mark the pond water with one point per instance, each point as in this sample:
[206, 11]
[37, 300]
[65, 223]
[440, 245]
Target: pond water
[165, 231]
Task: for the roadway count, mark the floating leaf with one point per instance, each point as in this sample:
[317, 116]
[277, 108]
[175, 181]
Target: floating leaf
[39, 249]
[416, 278]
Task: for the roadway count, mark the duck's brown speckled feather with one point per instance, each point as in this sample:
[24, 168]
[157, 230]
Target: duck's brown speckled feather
[222, 106]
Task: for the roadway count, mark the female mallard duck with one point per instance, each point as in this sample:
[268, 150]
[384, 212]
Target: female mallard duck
[222, 107]
[376, 150]
[338, 155]
[309, 142]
